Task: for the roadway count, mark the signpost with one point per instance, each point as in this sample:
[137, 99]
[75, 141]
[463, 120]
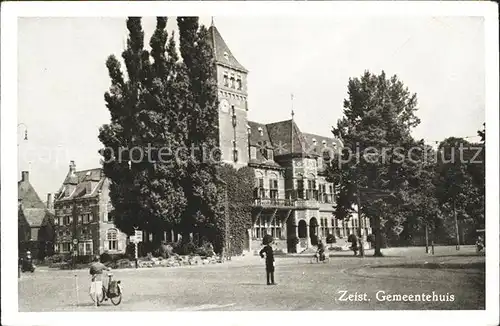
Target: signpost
[136, 238]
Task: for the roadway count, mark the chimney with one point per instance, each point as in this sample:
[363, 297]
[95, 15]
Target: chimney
[25, 176]
[50, 202]
[72, 167]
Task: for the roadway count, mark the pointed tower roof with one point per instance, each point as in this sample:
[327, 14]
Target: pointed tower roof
[222, 54]
[281, 134]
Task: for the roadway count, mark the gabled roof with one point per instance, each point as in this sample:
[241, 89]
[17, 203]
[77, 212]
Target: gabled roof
[220, 47]
[36, 217]
[82, 181]
[28, 196]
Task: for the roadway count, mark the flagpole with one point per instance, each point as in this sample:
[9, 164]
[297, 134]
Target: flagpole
[291, 133]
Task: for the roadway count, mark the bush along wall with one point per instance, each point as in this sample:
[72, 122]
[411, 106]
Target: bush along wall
[240, 185]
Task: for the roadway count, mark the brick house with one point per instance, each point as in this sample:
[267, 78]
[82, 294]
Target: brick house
[82, 222]
[35, 220]
[292, 196]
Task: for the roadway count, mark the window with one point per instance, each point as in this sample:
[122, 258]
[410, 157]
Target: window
[63, 247]
[56, 221]
[259, 229]
[276, 228]
[324, 226]
[320, 162]
[300, 189]
[87, 218]
[253, 152]
[226, 79]
[273, 189]
[312, 193]
[232, 83]
[85, 248]
[238, 83]
[112, 239]
[323, 196]
[226, 55]
[67, 220]
[259, 188]
[270, 154]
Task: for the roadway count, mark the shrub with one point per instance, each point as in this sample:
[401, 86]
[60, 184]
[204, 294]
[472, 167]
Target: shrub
[267, 239]
[370, 238]
[105, 257]
[58, 258]
[185, 249]
[330, 238]
[207, 250]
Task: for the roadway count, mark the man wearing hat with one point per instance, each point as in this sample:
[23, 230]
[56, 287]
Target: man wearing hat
[268, 251]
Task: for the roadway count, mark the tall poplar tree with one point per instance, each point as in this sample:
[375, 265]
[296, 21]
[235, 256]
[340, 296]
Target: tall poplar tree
[201, 184]
[148, 111]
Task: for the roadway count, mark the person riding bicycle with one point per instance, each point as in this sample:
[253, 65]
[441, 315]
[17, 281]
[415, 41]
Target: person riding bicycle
[321, 250]
[96, 270]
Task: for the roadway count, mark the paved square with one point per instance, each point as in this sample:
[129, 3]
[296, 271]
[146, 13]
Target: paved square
[240, 284]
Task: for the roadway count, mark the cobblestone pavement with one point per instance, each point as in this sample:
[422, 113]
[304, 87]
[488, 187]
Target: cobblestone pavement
[240, 284]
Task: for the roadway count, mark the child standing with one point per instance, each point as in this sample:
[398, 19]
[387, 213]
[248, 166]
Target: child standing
[268, 251]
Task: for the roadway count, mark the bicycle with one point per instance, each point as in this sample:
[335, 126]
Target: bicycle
[316, 258]
[116, 299]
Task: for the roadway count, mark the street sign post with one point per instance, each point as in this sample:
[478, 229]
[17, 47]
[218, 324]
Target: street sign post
[136, 238]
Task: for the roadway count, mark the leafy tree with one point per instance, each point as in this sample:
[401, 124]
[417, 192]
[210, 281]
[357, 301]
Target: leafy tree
[460, 183]
[378, 117]
[204, 208]
[240, 184]
[147, 111]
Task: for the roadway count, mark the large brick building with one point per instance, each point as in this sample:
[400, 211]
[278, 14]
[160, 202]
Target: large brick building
[82, 223]
[292, 196]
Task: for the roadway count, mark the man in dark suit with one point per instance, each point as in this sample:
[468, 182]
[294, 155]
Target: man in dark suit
[268, 251]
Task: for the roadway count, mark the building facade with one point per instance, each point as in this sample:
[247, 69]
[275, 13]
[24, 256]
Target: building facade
[83, 226]
[292, 196]
[35, 220]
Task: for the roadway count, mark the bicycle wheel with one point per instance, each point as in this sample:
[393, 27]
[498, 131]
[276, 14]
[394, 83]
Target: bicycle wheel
[116, 300]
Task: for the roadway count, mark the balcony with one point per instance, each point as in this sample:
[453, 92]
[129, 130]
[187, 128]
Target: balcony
[273, 202]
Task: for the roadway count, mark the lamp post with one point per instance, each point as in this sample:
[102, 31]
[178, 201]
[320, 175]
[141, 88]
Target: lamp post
[25, 138]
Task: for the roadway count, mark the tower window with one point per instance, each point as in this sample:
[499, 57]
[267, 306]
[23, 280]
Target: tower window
[238, 83]
[226, 79]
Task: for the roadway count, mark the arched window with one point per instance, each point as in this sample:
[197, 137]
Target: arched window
[112, 239]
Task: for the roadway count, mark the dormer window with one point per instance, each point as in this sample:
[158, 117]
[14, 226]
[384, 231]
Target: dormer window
[324, 142]
[253, 152]
[270, 154]
[261, 131]
[226, 55]
[314, 141]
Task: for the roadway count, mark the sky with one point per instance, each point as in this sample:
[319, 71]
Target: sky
[62, 76]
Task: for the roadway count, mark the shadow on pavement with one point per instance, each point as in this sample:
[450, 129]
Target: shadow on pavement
[478, 265]
[254, 284]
